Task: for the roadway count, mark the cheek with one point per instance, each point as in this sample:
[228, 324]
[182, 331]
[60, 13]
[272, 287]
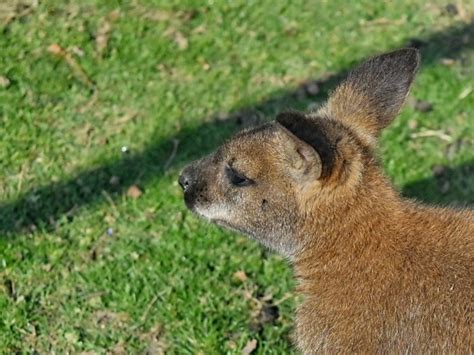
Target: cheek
[252, 206]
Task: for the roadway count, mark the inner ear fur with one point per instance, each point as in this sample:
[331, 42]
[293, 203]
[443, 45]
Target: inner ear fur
[318, 136]
[373, 93]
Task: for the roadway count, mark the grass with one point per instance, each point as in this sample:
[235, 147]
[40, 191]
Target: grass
[189, 71]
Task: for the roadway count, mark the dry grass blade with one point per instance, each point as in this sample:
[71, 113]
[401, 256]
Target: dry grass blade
[430, 133]
[56, 50]
[173, 154]
[103, 32]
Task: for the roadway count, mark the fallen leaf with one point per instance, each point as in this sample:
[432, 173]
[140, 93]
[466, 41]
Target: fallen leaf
[55, 49]
[134, 192]
[4, 82]
[249, 347]
[240, 275]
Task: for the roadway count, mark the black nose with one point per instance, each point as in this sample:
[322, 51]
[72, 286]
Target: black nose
[185, 180]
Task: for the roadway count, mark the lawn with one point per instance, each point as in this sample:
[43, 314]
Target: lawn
[103, 102]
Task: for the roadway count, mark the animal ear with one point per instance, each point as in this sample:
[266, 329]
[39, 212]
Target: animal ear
[373, 93]
[304, 161]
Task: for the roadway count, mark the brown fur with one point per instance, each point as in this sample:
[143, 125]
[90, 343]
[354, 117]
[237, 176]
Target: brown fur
[379, 273]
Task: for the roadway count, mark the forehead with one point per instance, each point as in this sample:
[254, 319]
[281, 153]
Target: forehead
[254, 145]
[253, 141]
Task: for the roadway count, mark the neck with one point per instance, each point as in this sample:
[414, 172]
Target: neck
[344, 227]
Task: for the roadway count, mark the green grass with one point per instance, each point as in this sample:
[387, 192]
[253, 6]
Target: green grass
[164, 279]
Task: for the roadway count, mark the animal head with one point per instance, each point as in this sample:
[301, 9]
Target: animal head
[271, 181]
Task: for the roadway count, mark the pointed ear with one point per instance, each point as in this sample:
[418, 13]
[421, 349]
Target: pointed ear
[373, 93]
[304, 162]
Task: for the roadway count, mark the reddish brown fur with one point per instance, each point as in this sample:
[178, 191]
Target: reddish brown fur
[379, 273]
[390, 276]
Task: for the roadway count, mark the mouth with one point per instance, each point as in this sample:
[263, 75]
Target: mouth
[226, 225]
[189, 202]
[202, 213]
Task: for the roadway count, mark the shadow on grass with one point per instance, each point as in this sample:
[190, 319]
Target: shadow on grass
[57, 202]
[453, 186]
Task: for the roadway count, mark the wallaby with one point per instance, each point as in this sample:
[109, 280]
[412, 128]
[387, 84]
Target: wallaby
[379, 273]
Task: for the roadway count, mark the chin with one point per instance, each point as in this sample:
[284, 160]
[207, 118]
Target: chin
[223, 223]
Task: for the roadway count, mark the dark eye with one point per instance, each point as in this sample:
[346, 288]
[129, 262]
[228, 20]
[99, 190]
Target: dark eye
[236, 178]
